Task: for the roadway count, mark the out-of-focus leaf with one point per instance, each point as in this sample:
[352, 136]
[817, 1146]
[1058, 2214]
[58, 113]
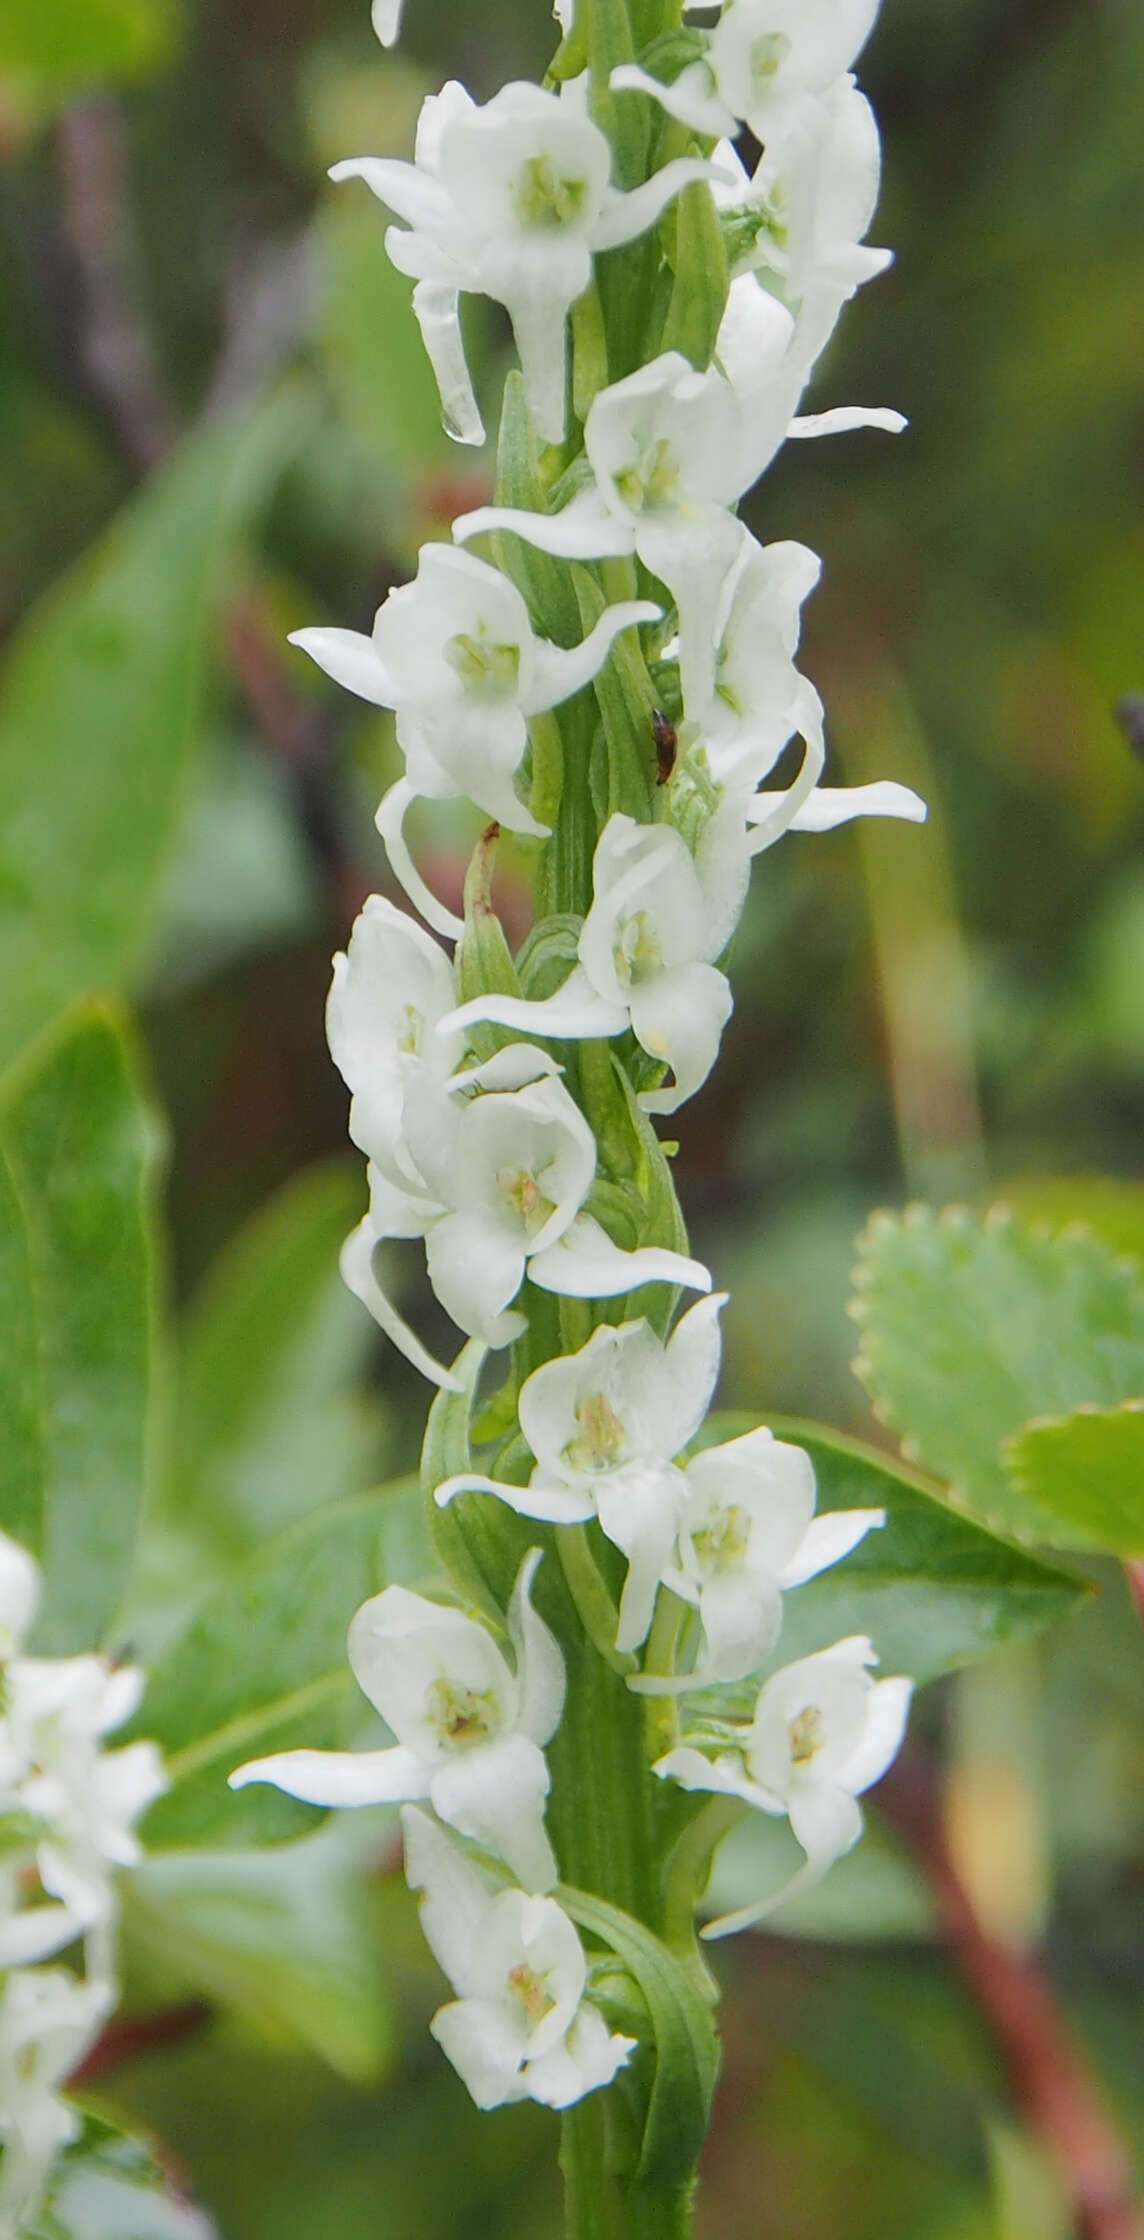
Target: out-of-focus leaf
[283, 1936]
[971, 1328]
[875, 1893]
[69, 44]
[262, 1666]
[1087, 1471]
[270, 1424]
[1114, 1209]
[1030, 2199]
[933, 1590]
[372, 344]
[107, 2186]
[239, 877]
[99, 703]
[79, 1149]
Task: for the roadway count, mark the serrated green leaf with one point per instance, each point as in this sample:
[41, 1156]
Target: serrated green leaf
[1087, 1471]
[70, 44]
[271, 1420]
[109, 2186]
[686, 2045]
[971, 1328]
[933, 1590]
[1114, 1209]
[284, 1937]
[98, 713]
[262, 1667]
[79, 1150]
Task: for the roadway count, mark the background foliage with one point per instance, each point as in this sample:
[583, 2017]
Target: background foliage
[216, 424]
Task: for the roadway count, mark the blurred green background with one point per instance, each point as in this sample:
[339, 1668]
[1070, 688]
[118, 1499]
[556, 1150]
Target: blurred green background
[951, 1013]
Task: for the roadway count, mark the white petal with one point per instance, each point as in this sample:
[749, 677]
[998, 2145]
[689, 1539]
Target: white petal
[639, 1511]
[496, 1795]
[351, 659]
[562, 671]
[827, 1821]
[680, 1017]
[588, 2059]
[539, 1663]
[585, 1264]
[694, 1351]
[846, 417]
[356, 1265]
[480, 2040]
[390, 821]
[625, 216]
[476, 1265]
[339, 1777]
[886, 1714]
[748, 1917]
[19, 1594]
[549, 1504]
[827, 1540]
[385, 16]
[406, 188]
[584, 530]
[455, 1903]
[36, 1934]
[691, 98]
[573, 1013]
[438, 315]
[724, 1776]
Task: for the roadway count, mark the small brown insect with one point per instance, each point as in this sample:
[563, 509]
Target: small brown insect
[666, 745]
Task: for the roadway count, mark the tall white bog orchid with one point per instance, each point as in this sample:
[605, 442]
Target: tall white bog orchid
[605, 1425]
[502, 1176]
[390, 990]
[521, 2027]
[822, 1733]
[762, 60]
[513, 201]
[470, 1729]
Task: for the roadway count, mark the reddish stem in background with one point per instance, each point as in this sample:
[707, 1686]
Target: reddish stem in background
[1049, 2071]
[125, 2040]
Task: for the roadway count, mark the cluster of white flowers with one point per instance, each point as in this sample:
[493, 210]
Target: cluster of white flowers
[68, 1809]
[490, 1161]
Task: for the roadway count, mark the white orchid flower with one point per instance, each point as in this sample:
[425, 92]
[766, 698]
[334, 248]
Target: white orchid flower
[385, 15]
[47, 2022]
[813, 195]
[513, 201]
[658, 917]
[521, 2027]
[454, 654]
[502, 1179]
[748, 1533]
[19, 1595]
[81, 1801]
[822, 1733]
[762, 60]
[605, 1425]
[672, 451]
[470, 1728]
[390, 990]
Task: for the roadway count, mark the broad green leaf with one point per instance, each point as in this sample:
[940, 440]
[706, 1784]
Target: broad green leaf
[1115, 1209]
[970, 1328]
[272, 1421]
[99, 703]
[284, 1937]
[933, 1590]
[1086, 1470]
[108, 2186]
[372, 345]
[686, 2046]
[240, 877]
[79, 1151]
[70, 44]
[262, 1666]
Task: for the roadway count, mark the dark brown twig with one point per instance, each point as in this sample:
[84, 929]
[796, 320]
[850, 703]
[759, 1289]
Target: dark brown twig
[1050, 2075]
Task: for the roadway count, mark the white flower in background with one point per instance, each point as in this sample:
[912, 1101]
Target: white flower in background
[78, 1802]
[822, 1733]
[521, 2027]
[47, 2022]
[605, 1425]
[658, 917]
[385, 15]
[810, 205]
[454, 654]
[470, 1729]
[511, 201]
[390, 990]
[762, 60]
[503, 1177]
[749, 1533]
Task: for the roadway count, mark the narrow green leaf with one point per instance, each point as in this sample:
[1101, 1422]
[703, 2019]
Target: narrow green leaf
[98, 712]
[478, 1540]
[79, 1151]
[971, 1328]
[283, 1937]
[702, 283]
[262, 1667]
[686, 2045]
[1086, 1470]
[933, 1590]
[272, 1422]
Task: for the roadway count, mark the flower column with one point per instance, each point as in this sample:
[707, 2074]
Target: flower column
[613, 679]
